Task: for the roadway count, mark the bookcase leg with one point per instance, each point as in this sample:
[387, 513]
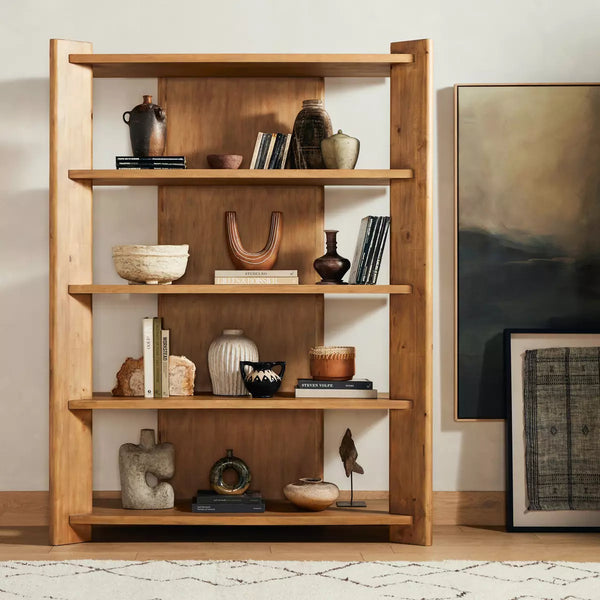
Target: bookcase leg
[411, 315]
[70, 317]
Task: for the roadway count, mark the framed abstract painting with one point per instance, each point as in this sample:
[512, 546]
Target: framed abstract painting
[552, 430]
[527, 210]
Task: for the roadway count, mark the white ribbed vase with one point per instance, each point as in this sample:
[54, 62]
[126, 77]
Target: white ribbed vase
[224, 356]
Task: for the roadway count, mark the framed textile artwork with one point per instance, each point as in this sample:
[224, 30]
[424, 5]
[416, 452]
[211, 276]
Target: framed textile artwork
[553, 430]
[527, 222]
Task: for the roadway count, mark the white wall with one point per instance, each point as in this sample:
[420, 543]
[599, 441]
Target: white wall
[510, 41]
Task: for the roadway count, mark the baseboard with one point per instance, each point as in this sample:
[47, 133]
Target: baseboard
[449, 508]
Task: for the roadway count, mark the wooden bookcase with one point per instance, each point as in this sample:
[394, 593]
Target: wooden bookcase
[212, 101]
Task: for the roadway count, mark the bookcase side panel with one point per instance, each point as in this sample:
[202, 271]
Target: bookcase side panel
[411, 315]
[70, 317]
[224, 115]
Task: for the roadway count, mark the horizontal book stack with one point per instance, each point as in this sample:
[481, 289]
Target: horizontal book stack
[150, 162]
[370, 244]
[156, 358]
[207, 501]
[271, 150]
[241, 277]
[353, 388]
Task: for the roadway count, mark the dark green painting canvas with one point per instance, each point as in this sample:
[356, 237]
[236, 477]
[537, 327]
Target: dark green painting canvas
[528, 218]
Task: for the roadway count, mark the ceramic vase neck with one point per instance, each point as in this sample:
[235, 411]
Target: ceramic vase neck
[331, 240]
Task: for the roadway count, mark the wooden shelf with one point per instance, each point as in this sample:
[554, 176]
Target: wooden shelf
[371, 177]
[241, 65]
[210, 402]
[109, 512]
[239, 289]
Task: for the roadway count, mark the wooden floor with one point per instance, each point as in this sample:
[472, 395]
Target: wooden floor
[281, 543]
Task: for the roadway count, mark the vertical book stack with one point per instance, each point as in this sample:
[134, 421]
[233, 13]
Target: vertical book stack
[372, 237]
[270, 150]
[156, 358]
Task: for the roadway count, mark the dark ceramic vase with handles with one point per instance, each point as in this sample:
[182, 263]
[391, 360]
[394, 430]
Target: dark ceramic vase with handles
[147, 128]
[260, 379]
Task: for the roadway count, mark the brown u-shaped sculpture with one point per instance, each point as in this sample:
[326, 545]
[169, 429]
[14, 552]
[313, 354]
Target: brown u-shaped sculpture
[263, 260]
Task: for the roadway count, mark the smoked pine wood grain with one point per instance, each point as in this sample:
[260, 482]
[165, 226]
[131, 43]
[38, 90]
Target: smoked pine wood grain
[109, 512]
[258, 177]
[177, 288]
[241, 65]
[210, 402]
[411, 316]
[70, 433]
[224, 115]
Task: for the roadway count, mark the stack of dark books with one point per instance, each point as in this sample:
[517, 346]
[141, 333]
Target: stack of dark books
[369, 250]
[150, 162]
[353, 388]
[207, 501]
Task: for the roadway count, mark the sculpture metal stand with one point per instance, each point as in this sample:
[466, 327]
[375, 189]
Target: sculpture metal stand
[349, 455]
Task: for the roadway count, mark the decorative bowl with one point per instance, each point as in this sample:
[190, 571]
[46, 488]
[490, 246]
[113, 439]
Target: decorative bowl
[151, 264]
[332, 363]
[225, 161]
[311, 493]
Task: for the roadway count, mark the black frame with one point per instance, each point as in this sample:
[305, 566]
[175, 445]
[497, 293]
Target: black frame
[509, 451]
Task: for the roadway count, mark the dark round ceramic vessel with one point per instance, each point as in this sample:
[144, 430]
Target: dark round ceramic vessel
[239, 466]
[147, 128]
[312, 125]
[260, 379]
[331, 266]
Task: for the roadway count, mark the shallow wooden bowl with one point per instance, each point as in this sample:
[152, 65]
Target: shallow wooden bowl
[225, 161]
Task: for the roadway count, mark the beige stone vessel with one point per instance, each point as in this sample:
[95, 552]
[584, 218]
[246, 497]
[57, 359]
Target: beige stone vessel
[160, 264]
[311, 493]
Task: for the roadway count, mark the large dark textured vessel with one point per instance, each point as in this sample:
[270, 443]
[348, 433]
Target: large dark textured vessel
[312, 125]
[147, 128]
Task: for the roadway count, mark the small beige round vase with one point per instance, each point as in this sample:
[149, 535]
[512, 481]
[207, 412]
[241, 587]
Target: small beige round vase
[311, 493]
[340, 151]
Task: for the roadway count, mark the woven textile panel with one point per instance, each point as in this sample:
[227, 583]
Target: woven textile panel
[561, 388]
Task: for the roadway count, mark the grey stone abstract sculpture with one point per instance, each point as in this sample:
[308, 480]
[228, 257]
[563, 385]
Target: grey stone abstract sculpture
[142, 468]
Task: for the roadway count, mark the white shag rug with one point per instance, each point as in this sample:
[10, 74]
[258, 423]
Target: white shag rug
[256, 580]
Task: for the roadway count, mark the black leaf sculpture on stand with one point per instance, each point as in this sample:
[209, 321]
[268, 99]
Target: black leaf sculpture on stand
[349, 454]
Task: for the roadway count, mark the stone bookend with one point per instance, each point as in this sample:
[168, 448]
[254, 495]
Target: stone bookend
[130, 378]
[143, 468]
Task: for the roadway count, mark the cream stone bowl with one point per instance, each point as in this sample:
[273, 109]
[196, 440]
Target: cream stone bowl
[152, 265]
[311, 493]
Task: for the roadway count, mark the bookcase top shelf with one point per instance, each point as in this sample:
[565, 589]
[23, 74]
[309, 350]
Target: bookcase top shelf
[240, 176]
[241, 65]
[239, 289]
[209, 402]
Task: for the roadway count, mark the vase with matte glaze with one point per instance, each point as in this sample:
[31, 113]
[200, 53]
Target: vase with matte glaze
[147, 128]
[311, 493]
[224, 356]
[331, 266]
[340, 151]
[312, 125]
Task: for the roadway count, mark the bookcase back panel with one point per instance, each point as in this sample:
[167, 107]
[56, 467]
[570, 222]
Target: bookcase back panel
[224, 115]
[279, 446]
